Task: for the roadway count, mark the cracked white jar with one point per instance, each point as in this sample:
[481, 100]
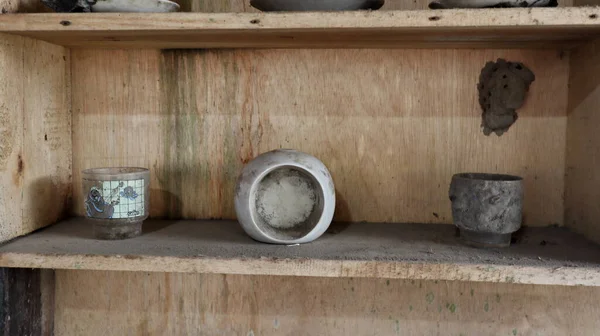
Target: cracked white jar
[285, 197]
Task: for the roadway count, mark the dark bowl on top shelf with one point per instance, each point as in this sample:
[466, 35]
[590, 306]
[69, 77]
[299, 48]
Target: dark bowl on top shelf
[445, 4]
[315, 5]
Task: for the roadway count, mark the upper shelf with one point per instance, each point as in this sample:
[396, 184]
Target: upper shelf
[548, 256]
[471, 28]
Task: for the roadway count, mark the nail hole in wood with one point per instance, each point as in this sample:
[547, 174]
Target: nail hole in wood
[434, 18]
[255, 21]
[65, 23]
[593, 16]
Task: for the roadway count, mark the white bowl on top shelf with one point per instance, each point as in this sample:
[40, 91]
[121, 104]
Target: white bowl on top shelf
[134, 6]
[314, 5]
[285, 197]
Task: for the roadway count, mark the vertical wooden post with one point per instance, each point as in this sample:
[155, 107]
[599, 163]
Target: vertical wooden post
[27, 301]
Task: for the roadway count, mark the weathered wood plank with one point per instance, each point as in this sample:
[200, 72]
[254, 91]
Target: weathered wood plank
[392, 126]
[21, 306]
[583, 142]
[35, 135]
[128, 303]
[472, 28]
[548, 256]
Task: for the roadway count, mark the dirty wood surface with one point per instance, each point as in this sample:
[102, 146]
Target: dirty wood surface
[583, 142]
[35, 135]
[462, 28]
[392, 126]
[405, 251]
[26, 301]
[137, 303]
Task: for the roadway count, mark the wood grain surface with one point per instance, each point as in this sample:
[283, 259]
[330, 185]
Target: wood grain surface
[583, 147]
[35, 135]
[138, 303]
[550, 28]
[545, 256]
[392, 126]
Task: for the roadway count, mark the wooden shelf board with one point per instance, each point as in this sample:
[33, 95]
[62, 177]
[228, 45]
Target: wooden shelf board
[549, 256]
[479, 28]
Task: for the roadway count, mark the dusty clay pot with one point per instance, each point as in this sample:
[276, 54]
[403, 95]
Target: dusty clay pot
[116, 200]
[315, 5]
[285, 197]
[487, 208]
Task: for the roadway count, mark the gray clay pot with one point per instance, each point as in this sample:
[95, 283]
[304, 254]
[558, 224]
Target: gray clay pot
[487, 208]
[315, 5]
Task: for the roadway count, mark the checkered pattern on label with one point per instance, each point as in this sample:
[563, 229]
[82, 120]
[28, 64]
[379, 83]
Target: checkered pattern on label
[127, 197]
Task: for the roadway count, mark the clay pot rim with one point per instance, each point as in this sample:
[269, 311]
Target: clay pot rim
[103, 173]
[488, 177]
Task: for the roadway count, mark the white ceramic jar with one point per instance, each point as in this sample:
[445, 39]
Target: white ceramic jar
[285, 197]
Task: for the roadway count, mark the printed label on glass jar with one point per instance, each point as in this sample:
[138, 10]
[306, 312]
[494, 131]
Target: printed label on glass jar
[116, 199]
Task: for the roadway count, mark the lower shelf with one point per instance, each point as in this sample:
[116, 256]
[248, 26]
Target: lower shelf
[549, 256]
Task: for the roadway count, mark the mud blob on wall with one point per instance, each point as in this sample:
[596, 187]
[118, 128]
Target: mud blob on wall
[503, 87]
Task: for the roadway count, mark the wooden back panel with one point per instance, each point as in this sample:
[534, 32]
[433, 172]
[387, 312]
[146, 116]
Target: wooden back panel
[393, 126]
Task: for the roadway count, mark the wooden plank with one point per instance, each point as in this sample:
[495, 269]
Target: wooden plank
[195, 117]
[35, 135]
[35, 145]
[48, 300]
[244, 6]
[30, 82]
[126, 303]
[483, 28]
[549, 256]
[11, 135]
[21, 312]
[47, 150]
[583, 143]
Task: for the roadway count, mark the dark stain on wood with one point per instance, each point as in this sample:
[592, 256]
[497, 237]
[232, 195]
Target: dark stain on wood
[21, 300]
[20, 165]
[17, 176]
[184, 170]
